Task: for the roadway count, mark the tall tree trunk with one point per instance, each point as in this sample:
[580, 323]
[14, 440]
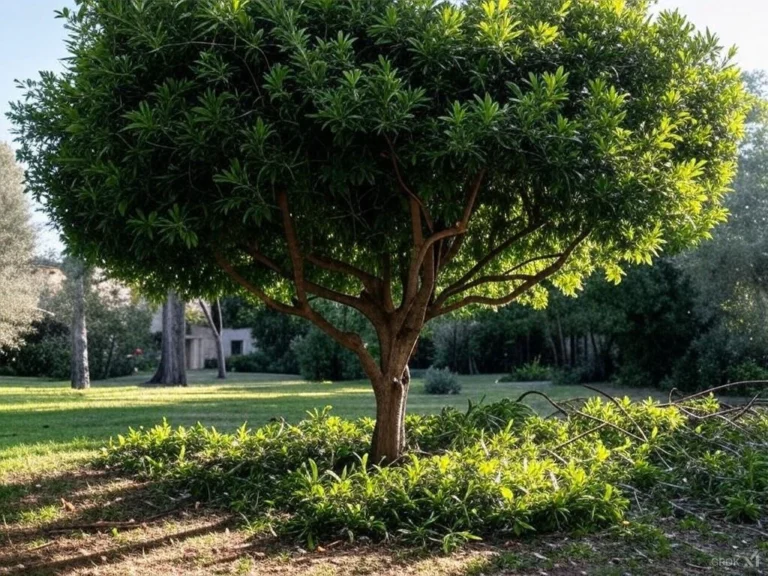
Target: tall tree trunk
[173, 356]
[81, 377]
[216, 328]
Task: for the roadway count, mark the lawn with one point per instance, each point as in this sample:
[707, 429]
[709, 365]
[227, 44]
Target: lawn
[47, 424]
[58, 515]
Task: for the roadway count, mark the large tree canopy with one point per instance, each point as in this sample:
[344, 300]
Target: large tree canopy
[404, 158]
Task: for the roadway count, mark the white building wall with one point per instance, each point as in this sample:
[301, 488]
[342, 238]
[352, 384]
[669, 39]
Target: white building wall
[229, 335]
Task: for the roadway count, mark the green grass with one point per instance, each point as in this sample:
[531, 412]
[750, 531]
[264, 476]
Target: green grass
[46, 424]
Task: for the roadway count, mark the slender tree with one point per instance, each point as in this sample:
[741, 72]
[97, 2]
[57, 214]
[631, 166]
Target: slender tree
[216, 326]
[81, 374]
[172, 370]
[405, 159]
[19, 289]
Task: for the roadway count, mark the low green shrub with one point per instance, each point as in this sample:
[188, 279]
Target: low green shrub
[569, 376]
[254, 362]
[746, 371]
[496, 470]
[531, 372]
[441, 381]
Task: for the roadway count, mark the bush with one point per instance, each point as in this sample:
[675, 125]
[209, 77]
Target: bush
[441, 381]
[495, 471]
[44, 352]
[253, 362]
[569, 376]
[212, 364]
[530, 372]
[320, 358]
[746, 371]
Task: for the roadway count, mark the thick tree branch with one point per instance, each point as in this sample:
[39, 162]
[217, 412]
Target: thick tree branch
[349, 340]
[469, 207]
[439, 309]
[404, 187]
[258, 292]
[297, 261]
[358, 304]
[370, 281]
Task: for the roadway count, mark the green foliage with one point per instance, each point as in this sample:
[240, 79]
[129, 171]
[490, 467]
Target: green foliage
[496, 470]
[569, 376]
[45, 351]
[118, 323]
[585, 117]
[531, 372]
[254, 362]
[273, 331]
[320, 358]
[441, 381]
[21, 284]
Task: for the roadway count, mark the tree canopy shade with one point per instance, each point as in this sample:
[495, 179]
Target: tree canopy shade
[403, 158]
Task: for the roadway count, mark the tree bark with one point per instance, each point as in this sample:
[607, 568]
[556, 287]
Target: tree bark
[81, 377]
[389, 440]
[172, 370]
[216, 328]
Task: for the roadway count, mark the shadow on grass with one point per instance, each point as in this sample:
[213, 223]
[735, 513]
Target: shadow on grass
[62, 522]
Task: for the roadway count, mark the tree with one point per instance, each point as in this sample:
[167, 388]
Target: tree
[404, 159]
[118, 321]
[216, 327]
[172, 370]
[20, 290]
[81, 376]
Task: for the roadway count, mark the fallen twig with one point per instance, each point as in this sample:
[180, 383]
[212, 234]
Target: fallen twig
[547, 398]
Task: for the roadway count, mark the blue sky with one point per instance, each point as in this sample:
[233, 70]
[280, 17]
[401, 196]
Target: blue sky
[32, 40]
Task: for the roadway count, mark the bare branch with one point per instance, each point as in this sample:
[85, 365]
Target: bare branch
[455, 288]
[370, 281]
[438, 309]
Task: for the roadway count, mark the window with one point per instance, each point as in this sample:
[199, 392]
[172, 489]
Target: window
[236, 347]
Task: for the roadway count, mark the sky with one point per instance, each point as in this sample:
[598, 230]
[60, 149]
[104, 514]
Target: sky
[32, 40]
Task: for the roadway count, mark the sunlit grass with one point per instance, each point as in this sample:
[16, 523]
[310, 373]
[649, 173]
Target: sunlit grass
[46, 424]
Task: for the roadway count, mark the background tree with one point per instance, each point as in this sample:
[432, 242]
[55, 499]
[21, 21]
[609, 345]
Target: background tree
[81, 375]
[172, 370]
[118, 324]
[404, 159]
[19, 290]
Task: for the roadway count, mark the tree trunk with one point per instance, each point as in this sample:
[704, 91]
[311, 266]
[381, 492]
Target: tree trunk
[81, 377]
[173, 357]
[110, 356]
[388, 443]
[216, 328]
